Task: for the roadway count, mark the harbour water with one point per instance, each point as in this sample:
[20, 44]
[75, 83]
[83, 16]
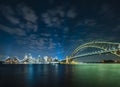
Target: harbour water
[56, 75]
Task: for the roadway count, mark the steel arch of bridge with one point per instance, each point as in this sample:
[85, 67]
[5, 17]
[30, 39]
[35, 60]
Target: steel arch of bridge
[105, 46]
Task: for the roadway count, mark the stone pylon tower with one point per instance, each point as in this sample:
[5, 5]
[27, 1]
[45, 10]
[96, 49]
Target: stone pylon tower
[67, 60]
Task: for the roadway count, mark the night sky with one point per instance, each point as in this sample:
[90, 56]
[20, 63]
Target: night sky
[53, 27]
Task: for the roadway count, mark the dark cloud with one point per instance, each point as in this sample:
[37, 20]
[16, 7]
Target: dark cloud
[9, 14]
[27, 13]
[14, 31]
[57, 17]
[71, 13]
[87, 22]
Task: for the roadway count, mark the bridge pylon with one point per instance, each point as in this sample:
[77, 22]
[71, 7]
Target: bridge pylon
[67, 60]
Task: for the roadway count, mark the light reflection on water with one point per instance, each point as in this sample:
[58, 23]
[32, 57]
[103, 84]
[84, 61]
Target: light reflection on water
[30, 75]
[84, 75]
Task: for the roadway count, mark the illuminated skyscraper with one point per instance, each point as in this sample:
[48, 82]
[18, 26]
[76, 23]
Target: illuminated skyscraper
[25, 57]
[45, 58]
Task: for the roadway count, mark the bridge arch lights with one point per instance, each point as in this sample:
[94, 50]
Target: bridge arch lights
[104, 46]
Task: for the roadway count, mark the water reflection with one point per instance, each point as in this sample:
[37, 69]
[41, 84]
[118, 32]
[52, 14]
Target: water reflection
[30, 75]
[30, 72]
[85, 75]
[97, 75]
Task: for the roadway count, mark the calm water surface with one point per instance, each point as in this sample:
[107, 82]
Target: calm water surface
[83, 75]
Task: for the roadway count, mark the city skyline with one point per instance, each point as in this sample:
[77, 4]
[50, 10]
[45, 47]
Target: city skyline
[28, 59]
[28, 55]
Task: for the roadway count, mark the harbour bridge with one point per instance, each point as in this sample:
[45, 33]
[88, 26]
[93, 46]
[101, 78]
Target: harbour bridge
[99, 48]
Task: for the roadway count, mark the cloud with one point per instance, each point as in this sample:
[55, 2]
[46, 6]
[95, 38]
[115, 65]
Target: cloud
[9, 14]
[87, 22]
[15, 31]
[13, 19]
[52, 45]
[39, 44]
[47, 20]
[71, 13]
[46, 34]
[66, 29]
[51, 20]
[34, 42]
[27, 13]
[56, 35]
[57, 17]
[30, 26]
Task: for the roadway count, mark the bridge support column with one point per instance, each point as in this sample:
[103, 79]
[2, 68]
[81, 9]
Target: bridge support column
[67, 60]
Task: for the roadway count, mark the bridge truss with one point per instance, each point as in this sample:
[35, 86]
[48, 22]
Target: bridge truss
[105, 47]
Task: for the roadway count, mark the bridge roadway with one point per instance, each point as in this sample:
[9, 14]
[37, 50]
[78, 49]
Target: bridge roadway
[93, 53]
[87, 54]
